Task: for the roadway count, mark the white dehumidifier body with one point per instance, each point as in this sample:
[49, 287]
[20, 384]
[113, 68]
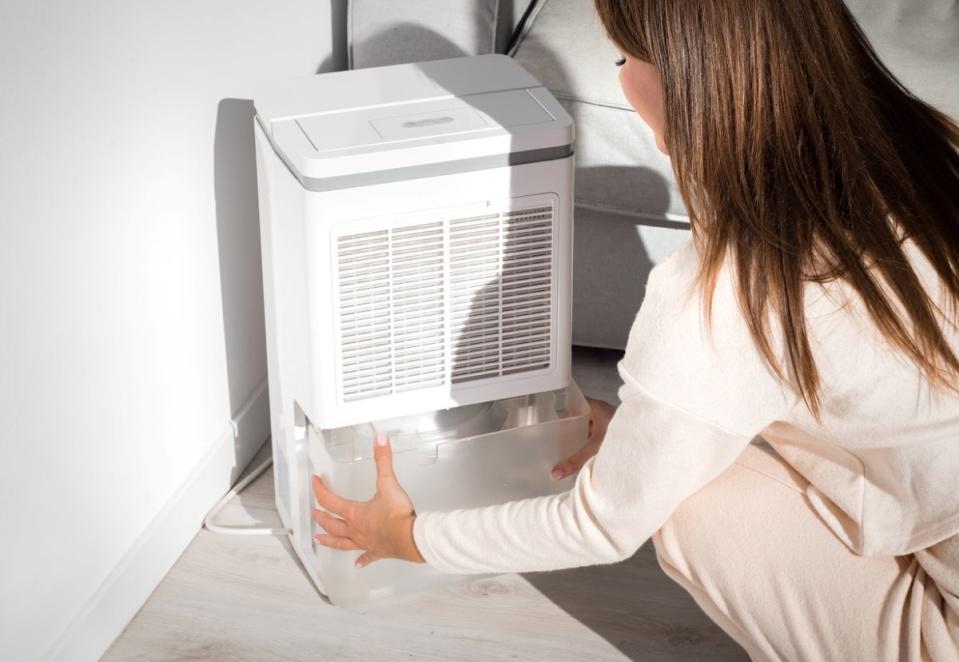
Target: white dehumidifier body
[416, 227]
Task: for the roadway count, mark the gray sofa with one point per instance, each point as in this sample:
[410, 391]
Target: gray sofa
[629, 215]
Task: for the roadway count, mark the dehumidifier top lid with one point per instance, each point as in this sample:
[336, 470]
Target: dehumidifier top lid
[365, 126]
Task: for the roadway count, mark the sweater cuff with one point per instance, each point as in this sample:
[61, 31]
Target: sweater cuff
[420, 535]
[426, 527]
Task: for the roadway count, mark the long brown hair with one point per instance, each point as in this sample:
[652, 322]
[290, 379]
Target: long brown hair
[802, 159]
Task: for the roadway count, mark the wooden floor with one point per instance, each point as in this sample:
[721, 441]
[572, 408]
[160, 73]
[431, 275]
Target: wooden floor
[243, 598]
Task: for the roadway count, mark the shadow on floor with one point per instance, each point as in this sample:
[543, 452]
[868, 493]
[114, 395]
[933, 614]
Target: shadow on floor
[637, 609]
[633, 605]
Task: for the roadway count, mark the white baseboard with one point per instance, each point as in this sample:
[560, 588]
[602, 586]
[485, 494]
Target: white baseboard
[149, 559]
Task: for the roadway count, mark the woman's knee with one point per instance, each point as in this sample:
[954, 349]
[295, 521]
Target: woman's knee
[686, 536]
[714, 528]
[691, 529]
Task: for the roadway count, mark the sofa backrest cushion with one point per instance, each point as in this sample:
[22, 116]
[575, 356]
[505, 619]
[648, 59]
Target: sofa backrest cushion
[919, 41]
[381, 32]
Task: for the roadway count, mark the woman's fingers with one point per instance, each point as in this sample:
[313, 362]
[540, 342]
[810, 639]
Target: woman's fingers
[336, 542]
[378, 526]
[332, 525]
[383, 456]
[329, 500]
[574, 462]
[365, 559]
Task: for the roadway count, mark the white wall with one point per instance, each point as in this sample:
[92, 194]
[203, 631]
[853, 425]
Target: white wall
[130, 302]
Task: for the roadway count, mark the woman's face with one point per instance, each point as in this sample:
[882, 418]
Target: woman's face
[644, 91]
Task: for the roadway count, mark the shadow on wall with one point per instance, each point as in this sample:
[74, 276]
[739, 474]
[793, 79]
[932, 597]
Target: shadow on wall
[241, 275]
[402, 43]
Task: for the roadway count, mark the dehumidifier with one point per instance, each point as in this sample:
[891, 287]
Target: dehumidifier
[416, 225]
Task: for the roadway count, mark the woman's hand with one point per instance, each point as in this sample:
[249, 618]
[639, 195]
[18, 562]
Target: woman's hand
[600, 412]
[382, 527]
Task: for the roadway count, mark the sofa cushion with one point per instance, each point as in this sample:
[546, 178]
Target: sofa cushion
[629, 215]
[612, 257]
[385, 32]
[618, 165]
[919, 42]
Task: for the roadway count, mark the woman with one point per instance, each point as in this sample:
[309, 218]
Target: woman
[815, 306]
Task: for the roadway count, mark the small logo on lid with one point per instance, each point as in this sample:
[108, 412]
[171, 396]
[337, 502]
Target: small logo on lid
[431, 121]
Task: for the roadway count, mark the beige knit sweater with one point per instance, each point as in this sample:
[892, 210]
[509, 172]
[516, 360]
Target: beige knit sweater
[883, 463]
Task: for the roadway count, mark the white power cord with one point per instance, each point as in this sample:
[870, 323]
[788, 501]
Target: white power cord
[242, 530]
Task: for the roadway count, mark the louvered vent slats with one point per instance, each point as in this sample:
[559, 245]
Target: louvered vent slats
[490, 320]
[394, 333]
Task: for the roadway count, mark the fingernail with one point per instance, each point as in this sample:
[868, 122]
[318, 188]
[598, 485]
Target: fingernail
[381, 439]
[556, 474]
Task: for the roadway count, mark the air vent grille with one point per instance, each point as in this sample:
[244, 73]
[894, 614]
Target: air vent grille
[408, 304]
[501, 293]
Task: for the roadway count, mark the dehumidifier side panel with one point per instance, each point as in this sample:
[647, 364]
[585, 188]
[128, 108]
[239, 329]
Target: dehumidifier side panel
[563, 333]
[281, 221]
[282, 224]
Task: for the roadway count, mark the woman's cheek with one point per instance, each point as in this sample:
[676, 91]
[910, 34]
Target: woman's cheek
[645, 102]
[627, 85]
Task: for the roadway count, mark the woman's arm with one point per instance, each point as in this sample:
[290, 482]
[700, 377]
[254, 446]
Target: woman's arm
[691, 402]
[693, 396]
[653, 457]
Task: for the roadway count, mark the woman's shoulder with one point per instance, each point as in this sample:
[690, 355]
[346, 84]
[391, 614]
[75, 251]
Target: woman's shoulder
[708, 364]
[673, 292]
[681, 265]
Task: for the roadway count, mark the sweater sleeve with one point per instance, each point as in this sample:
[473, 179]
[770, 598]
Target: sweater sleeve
[657, 450]
[654, 455]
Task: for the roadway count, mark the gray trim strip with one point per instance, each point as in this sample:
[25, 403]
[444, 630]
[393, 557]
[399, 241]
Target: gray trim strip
[433, 169]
